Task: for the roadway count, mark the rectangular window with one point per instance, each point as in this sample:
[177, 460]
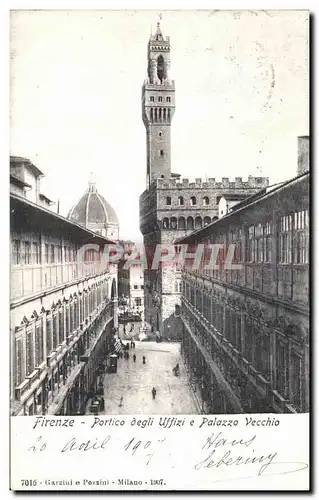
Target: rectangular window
[301, 237]
[267, 242]
[46, 251]
[39, 343]
[61, 326]
[168, 99]
[251, 244]
[76, 315]
[52, 254]
[19, 361]
[59, 254]
[162, 152]
[152, 98]
[249, 339]
[29, 346]
[35, 253]
[71, 318]
[296, 382]
[55, 331]
[160, 99]
[16, 252]
[49, 335]
[27, 252]
[282, 369]
[67, 322]
[135, 287]
[65, 254]
[285, 240]
[138, 301]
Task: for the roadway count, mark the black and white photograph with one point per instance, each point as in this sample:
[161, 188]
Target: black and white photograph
[159, 214]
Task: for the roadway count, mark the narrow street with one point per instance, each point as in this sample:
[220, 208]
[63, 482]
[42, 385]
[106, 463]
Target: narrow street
[129, 390]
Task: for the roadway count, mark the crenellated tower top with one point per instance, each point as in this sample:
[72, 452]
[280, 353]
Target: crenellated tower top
[158, 106]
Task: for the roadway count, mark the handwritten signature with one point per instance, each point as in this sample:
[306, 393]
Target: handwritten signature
[218, 457]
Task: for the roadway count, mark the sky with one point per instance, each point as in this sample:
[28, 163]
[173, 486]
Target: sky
[242, 98]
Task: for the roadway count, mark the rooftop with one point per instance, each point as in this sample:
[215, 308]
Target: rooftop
[27, 210]
[26, 162]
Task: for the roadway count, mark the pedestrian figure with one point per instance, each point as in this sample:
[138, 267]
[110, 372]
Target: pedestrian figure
[127, 346]
[133, 345]
[153, 392]
[134, 358]
[144, 360]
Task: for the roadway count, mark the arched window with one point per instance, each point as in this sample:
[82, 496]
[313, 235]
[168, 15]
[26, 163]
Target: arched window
[160, 114]
[161, 68]
[190, 223]
[181, 223]
[180, 200]
[198, 223]
[156, 114]
[206, 221]
[193, 200]
[177, 310]
[165, 223]
[205, 200]
[173, 223]
[168, 200]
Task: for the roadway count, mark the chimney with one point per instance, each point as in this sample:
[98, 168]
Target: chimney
[303, 154]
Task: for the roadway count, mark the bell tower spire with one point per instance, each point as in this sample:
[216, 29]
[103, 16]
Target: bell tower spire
[158, 106]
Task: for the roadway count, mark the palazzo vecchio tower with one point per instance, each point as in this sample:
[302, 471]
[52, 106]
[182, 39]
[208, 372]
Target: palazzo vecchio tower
[158, 106]
[170, 207]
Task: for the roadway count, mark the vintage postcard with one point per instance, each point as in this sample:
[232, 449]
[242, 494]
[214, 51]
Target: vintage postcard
[159, 220]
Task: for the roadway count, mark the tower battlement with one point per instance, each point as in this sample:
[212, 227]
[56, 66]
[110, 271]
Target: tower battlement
[148, 85]
[224, 183]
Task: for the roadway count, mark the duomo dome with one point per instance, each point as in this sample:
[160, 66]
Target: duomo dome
[95, 213]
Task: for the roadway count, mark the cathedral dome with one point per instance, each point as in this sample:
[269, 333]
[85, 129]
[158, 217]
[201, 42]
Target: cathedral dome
[95, 213]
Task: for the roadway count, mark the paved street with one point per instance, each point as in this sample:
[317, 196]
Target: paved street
[129, 390]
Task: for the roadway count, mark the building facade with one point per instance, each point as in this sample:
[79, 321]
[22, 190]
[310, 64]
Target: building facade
[246, 330]
[25, 180]
[131, 277]
[171, 207]
[63, 309]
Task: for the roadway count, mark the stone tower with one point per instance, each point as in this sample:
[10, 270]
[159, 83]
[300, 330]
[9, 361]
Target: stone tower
[170, 207]
[158, 105]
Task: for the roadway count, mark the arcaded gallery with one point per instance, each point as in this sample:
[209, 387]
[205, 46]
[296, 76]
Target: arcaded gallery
[246, 330]
[63, 307]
